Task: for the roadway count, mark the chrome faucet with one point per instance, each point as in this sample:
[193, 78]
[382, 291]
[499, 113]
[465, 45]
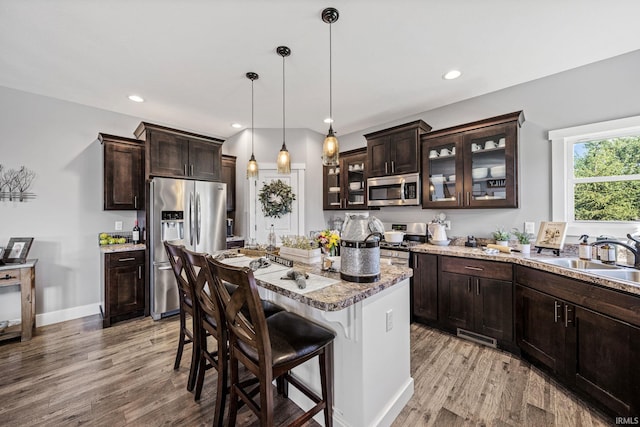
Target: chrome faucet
[635, 251]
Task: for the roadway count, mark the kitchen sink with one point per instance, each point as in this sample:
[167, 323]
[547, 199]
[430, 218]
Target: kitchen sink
[581, 264]
[622, 274]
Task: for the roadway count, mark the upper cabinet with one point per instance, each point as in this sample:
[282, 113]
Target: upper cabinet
[396, 150]
[345, 187]
[177, 154]
[473, 165]
[229, 178]
[123, 169]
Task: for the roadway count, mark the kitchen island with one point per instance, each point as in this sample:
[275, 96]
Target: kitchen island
[372, 378]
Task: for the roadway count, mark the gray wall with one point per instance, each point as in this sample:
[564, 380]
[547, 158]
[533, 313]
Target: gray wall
[57, 140]
[601, 91]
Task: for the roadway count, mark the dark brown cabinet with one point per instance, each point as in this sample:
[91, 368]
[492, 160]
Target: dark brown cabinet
[345, 186]
[476, 296]
[473, 165]
[396, 150]
[589, 337]
[123, 172]
[229, 178]
[424, 287]
[178, 154]
[123, 289]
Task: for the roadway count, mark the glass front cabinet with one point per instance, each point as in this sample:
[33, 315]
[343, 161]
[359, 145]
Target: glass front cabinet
[473, 165]
[345, 187]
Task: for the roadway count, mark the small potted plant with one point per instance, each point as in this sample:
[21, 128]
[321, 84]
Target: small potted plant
[524, 240]
[299, 248]
[501, 236]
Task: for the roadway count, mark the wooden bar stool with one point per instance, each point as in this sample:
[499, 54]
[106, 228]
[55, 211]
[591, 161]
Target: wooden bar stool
[185, 294]
[269, 348]
[209, 322]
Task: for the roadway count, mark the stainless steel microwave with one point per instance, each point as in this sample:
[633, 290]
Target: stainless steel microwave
[396, 190]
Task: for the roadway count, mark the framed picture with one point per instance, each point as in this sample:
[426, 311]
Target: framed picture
[17, 250]
[551, 235]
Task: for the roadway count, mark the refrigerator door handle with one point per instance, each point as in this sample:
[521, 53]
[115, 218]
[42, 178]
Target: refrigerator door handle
[191, 221]
[198, 218]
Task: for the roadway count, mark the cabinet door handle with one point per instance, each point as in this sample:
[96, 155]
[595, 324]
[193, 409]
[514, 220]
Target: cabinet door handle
[165, 268]
[567, 311]
[468, 197]
[8, 277]
[459, 198]
[191, 170]
[556, 307]
[469, 285]
[185, 169]
[386, 169]
[393, 166]
[139, 272]
[469, 267]
[126, 259]
[135, 202]
[477, 286]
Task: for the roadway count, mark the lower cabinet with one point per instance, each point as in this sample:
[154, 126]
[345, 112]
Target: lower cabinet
[477, 296]
[123, 286]
[424, 287]
[559, 326]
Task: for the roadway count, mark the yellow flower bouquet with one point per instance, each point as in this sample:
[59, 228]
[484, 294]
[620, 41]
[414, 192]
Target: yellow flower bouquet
[329, 241]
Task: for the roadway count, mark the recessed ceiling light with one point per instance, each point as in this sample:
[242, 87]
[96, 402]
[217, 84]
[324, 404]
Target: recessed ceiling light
[236, 125]
[136, 98]
[450, 75]
[328, 120]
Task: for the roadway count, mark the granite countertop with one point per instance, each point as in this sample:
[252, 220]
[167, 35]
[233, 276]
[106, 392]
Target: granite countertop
[533, 260]
[122, 248]
[342, 294]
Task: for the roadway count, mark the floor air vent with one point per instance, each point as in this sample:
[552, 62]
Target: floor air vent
[477, 338]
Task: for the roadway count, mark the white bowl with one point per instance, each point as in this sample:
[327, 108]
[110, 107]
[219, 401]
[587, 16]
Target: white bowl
[440, 242]
[393, 236]
[452, 178]
[334, 189]
[498, 171]
[354, 185]
[478, 173]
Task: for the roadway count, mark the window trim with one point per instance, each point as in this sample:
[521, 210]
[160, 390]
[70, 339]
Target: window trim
[562, 141]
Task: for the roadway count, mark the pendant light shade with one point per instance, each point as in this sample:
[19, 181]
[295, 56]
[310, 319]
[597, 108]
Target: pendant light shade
[252, 166]
[284, 160]
[330, 147]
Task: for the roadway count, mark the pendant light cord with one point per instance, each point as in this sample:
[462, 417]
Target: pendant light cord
[283, 98]
[252, 117]
[330, 81]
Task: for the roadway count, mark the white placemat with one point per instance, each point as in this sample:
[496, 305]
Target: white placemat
[314, 282]
[243, 261]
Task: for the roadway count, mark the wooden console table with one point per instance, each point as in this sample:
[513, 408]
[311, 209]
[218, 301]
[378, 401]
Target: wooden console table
[24, 276]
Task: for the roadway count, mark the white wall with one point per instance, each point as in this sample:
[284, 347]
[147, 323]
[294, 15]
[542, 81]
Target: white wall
[604, 90]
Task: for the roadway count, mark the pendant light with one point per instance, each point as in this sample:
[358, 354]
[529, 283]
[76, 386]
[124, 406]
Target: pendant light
[252, 166]
[284, 161]
[330, 147]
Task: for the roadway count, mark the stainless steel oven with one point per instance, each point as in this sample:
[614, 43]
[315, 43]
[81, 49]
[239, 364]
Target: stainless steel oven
[398, 253]
[396, 190]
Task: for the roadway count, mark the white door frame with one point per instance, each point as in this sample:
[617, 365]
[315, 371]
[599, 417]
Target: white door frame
[253, 205]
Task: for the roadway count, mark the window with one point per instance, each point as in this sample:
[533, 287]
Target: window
[596, 177]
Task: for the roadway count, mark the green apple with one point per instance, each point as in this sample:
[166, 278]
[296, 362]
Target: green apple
[122, 240]
[111, 241]
[103, 236]
[103, 241]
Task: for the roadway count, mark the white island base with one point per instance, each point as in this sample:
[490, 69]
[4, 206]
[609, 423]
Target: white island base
[372, 378]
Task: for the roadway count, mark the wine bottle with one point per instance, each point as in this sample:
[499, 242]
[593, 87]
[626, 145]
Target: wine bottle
[135, 236]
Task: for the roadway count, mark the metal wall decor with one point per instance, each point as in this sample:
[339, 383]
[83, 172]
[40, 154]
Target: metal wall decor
[15, 183]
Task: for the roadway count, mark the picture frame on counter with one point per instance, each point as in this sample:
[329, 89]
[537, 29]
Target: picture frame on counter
[551, 235]
[17, 250]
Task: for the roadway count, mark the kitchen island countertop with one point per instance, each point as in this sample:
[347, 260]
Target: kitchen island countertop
[533, 260]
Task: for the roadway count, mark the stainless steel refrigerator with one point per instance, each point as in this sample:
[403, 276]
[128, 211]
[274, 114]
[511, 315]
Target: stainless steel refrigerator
[192, 213]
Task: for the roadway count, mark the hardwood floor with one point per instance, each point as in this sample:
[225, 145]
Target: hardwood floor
[76, 373]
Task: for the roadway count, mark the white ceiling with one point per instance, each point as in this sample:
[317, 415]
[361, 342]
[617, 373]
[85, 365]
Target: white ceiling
[188, 58]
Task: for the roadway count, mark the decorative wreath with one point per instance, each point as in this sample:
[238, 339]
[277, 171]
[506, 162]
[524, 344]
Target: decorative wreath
[276, 198]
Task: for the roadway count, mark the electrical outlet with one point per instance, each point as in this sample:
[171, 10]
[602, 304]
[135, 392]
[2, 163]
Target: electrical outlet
[529, 227]
[447, 225]
[118, 226]
[389, 320]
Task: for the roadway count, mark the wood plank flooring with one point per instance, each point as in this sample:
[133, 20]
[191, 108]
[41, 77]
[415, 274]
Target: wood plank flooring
[76, 373]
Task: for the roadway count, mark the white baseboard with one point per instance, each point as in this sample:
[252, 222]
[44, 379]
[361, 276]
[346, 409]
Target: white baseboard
[67, 314]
